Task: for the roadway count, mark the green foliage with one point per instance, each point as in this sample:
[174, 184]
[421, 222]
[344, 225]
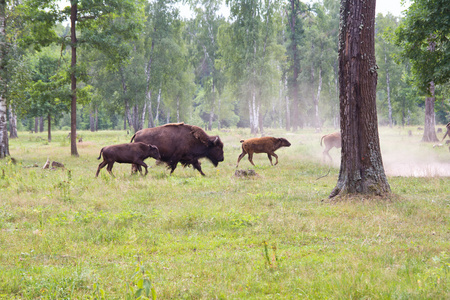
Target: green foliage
[424, 37]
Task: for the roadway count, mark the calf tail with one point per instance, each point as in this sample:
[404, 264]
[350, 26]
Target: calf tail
[132, 138]
[321, 140]
[242, 141]
[101, 151]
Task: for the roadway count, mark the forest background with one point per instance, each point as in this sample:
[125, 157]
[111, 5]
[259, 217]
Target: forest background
[267, 64]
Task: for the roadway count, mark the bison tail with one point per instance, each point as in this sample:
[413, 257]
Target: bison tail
[242, 141]
[321, 140]
[132, 138]
[101, 151]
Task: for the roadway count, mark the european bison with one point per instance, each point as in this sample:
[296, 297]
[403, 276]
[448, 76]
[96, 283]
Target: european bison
[131, 153]
[179, 142]
[262, 145]
[330, 140]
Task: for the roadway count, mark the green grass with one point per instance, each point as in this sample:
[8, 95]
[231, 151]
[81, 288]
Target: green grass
[65, 234]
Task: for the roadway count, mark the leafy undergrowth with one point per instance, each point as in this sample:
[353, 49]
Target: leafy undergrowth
[66, 234]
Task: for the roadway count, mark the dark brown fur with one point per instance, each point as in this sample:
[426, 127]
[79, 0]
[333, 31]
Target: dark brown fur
[262, 145]
[179, 142]
[330, 140]
[131, 153]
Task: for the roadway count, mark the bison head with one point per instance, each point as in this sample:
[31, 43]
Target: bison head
[215, 150]
[153, 152]
[284, 142]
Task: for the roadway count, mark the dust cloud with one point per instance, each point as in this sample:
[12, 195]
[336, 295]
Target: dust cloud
[409, 157]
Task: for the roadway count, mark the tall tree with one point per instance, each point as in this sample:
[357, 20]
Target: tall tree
[248, 48]
[4, 144]
[294, 10]
[424, 36]
[389, 74]
[98, 22]
[362, 170]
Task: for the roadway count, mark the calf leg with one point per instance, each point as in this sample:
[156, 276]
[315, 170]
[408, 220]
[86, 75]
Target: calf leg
[270, 158]
[109, 168]
[240, 157]
[141, 163]
[100, 166]
[276, 156]
[250, 158]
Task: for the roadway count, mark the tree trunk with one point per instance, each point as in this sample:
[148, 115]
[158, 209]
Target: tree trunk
[151, 122]
[142, 121]
[73, 79]
[36, 124]
[158, 102]
[316, 101]
[12, 123]
[49, 126]
[361, 170]
[388, 90]
[4, 143]
[41, 124]
[91, 122]
[429, 132]
[288, 111]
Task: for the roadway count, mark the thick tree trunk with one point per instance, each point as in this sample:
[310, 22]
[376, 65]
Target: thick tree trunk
[362, 170]
[429, 132]
[12, 123]
[73, 79]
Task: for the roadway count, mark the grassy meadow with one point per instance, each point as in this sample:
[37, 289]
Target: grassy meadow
[65, 234]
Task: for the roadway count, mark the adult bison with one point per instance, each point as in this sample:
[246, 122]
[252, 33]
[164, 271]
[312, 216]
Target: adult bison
[179, 142]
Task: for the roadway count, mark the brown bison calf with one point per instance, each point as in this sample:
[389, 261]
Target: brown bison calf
[131, 153]
[262, 145]
[330, 140]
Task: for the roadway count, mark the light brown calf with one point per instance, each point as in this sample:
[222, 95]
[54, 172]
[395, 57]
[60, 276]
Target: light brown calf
[330, 140]
[265, 144]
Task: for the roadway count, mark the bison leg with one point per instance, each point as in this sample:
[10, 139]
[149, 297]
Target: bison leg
[143, 164]
[250, 158]
[326, 154]
[100, 166]
[270, 158]
[240, 157]
[198, 167]
[134, 168]
[109, 168]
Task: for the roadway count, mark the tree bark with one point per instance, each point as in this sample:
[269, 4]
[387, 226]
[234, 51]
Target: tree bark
[12, 123]
[388, 91]
[36, 124]
[49, 131]
[73, 79]
[429, 132]
[4, 142]
[361, 170]
[41, 124]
